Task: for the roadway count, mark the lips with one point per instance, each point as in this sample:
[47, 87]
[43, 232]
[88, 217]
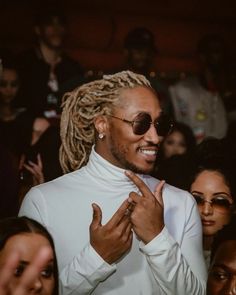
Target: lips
[208, 222]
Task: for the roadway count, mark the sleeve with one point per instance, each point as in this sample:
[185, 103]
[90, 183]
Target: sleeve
[84, 273]
[86, 270]
[178, 269]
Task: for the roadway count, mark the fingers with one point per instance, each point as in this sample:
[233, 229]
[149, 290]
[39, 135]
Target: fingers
[119, 214]
[139, 183]
[158, 192]
[32, 272]
[97, 217]
[40, 163]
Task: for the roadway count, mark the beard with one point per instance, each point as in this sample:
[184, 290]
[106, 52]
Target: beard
[119, 152]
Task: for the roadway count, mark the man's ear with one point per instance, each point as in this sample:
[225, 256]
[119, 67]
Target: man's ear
[101, 124]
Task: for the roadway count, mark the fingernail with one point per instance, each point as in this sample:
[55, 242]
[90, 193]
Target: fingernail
[128, 172]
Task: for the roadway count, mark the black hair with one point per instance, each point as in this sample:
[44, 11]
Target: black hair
[45, 15]
[227, 233]
[12, 226]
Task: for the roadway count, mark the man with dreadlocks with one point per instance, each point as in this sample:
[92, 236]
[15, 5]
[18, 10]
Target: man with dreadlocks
[144, 236]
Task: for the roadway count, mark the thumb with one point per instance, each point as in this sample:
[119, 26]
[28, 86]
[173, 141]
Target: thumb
[97, 216]
[158, 192]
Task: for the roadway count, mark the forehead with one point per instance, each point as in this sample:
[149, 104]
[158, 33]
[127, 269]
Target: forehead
[138, 99]
[212, 180]
[226, 254]
[9, 74]
[26, 244]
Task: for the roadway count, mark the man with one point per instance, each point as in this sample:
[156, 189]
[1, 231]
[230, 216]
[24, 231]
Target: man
[46, 68]
[137, 243]
[197, 100]
[222, 273]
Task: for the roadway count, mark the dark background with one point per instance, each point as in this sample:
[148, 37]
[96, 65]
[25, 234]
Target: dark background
[96, 29]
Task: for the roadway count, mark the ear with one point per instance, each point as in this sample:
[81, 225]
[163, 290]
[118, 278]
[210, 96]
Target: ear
[101, 124]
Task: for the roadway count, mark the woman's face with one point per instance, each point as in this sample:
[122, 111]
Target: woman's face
[213, 197]
[174, 144]
[9, 85]
[27, 245]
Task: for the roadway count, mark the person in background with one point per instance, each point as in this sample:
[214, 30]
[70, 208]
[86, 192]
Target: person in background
[115, 231]
[14, 122]
[46, 67]
[21, 240]
[213, 188]
[222, 272]
[176, 150]
[196, 101]
[139, 53]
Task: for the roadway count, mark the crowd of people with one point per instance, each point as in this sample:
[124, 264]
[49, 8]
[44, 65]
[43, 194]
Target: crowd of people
[120, 185]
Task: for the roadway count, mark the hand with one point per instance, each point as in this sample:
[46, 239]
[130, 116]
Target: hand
[113, 239]
[147, 216]
[26, 281]
[36, 169]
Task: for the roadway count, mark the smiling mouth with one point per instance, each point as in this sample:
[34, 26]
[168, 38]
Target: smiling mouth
[208, 222]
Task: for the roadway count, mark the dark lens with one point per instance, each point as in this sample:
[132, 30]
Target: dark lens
[221, 203]
[141, 123]
[199, 200]
[163, 126]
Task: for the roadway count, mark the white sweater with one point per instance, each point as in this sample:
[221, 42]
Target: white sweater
[172, 263]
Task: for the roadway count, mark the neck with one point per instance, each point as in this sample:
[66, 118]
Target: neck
[6, 112]
[207, 242]
[50, 55]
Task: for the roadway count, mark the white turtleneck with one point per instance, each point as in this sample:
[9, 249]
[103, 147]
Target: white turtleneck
[172, 263]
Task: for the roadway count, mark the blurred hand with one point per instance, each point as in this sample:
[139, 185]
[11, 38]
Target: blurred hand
[31, 273]
[36, 169]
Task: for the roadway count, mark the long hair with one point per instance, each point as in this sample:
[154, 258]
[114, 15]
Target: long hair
[81, 106]
[12, 226]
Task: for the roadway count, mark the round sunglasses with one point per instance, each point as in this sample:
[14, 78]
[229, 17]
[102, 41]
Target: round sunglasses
[218, 203]
[142, 123]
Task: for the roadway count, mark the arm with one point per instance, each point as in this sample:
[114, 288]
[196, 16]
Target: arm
[178, 269]
[97, 259]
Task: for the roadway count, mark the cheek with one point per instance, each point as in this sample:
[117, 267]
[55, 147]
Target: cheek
[214, 287]
[48, 285]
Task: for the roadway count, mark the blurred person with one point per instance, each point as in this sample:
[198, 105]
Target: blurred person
[40, 160]
[22, 241]
[124, 233]
[176, 150]
[14, 122]
[222, 272]
[213, 188]
[140, 50]
[196, 101]
[46, 67]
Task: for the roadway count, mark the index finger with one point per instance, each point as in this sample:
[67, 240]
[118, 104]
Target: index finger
[119, 214]
[139, 183]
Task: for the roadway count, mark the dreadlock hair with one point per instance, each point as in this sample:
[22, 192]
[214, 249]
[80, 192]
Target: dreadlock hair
[81, 106]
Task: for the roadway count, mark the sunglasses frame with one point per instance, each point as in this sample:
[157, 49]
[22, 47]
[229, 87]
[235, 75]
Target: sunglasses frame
[155, 123]
[212, 203]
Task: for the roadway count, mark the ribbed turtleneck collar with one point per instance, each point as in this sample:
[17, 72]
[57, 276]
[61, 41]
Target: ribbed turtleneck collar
[107, 173]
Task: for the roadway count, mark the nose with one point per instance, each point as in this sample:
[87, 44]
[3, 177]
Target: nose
[36, 286]
[230, 288]
[206, 209]
[151, 135]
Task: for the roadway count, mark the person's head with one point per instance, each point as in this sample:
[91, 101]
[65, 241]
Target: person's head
[115, 113]
[211, 49]
[27, 237]
[139, 49]
[222, 272]
[179, 141]
[213, 188]
[50, 27]
[9, 82]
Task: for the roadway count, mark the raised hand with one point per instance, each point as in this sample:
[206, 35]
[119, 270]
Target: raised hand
[36, 169]
[112, 240]
[27, 280]
[147, 215]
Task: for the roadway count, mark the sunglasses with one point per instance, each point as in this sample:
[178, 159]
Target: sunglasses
[142, 123]
[217, 203]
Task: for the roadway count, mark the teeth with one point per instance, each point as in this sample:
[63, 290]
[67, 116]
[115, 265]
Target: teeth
[148, 152]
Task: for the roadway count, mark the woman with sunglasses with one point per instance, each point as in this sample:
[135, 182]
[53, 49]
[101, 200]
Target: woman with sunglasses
[213, 189]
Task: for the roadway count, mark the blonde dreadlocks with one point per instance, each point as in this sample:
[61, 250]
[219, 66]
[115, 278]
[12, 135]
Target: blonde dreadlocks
[79, 109]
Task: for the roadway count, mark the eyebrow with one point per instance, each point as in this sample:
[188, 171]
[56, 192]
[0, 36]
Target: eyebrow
[224, 267]
[215, 194]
